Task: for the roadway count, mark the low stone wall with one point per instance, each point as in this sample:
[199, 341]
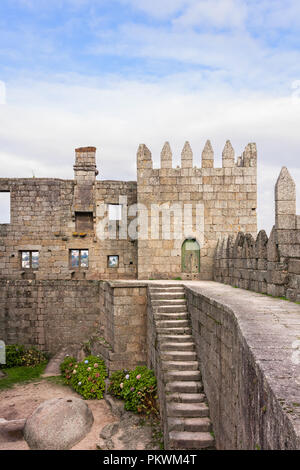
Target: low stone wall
[48, 314]
[267, 265]
[247, 348]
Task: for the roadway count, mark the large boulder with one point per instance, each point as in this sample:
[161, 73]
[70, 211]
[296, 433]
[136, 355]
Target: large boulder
[58, 424]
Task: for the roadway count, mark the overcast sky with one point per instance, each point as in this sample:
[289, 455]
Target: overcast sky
[116, 73]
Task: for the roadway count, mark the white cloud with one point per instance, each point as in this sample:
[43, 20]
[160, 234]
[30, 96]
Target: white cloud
[213, 13]
[42, 124]
[158, 8]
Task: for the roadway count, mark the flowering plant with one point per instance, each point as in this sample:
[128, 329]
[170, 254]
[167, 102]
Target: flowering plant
[137, 387]
[18, 355]
[86, 377]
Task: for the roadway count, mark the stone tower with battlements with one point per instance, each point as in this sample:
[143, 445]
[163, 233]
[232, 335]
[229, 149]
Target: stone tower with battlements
[221, 201]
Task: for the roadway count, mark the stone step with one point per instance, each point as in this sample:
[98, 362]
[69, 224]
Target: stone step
[174, 331]
[172, 323]
[180, 365]
[182, 376]
[186, 397]
[165, 338]
[168, 302]
[169, 308]
[178, 356]
[170, 316]
[190, 440]
[171, 288]
[187, 410]
[190, 424]
[167, 295]
[184, 386]
[184, 347]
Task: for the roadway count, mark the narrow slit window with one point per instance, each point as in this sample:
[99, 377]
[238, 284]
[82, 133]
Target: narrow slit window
[5, 207]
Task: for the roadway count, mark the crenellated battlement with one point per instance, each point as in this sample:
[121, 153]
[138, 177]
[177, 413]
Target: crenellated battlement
[248, 159]
[270, 265]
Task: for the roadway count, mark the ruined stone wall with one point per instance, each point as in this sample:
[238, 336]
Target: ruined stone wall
[48, 314]
[267, 265]
[226, 197]
[43, 219]
[247, 348]
[123, 310]
[51, 314]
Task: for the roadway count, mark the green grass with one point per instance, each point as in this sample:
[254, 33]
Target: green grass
[57, 380]
[16, 375]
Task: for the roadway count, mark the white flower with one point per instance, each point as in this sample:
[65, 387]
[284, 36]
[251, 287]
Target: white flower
[79, 383]
[127, 376]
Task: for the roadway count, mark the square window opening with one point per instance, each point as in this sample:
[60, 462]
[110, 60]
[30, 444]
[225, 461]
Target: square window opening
[113, 261]
[79, 259]
[5, 207]
[84, 222]
[115, 212]
[30, 260]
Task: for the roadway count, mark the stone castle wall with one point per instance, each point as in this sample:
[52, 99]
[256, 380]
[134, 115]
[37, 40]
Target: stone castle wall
[248, 348]
[43, 219]
[270, 265]
[227, 197]
[49, 314]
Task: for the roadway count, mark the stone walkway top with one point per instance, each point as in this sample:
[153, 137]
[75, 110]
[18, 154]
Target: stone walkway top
[271, 329]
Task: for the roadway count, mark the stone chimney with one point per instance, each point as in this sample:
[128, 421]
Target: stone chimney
[85, 168]
[85, 172]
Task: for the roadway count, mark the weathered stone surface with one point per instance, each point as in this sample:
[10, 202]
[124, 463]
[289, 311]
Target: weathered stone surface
[58, 424]
[249, 356]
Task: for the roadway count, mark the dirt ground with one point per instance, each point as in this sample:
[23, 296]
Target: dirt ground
[21, 400]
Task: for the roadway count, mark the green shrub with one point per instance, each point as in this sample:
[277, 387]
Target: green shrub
[32, 357]
[86, 377]
[14, 354]
[18, 355]
[138, 388]
[114, 385]
[66, 368]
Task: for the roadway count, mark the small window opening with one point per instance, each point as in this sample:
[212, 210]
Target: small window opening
[30, 259]
[5, 207]
[79, 258]
[115, 212]
[113, 261]
[84, 222]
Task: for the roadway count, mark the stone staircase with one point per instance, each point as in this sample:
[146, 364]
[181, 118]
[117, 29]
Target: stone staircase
[187, 414]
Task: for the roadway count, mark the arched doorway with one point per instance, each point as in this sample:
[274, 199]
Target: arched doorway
[190, 256]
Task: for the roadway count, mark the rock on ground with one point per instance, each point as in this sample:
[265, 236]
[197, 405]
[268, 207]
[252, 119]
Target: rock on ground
[131, 432]
[58, 424]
